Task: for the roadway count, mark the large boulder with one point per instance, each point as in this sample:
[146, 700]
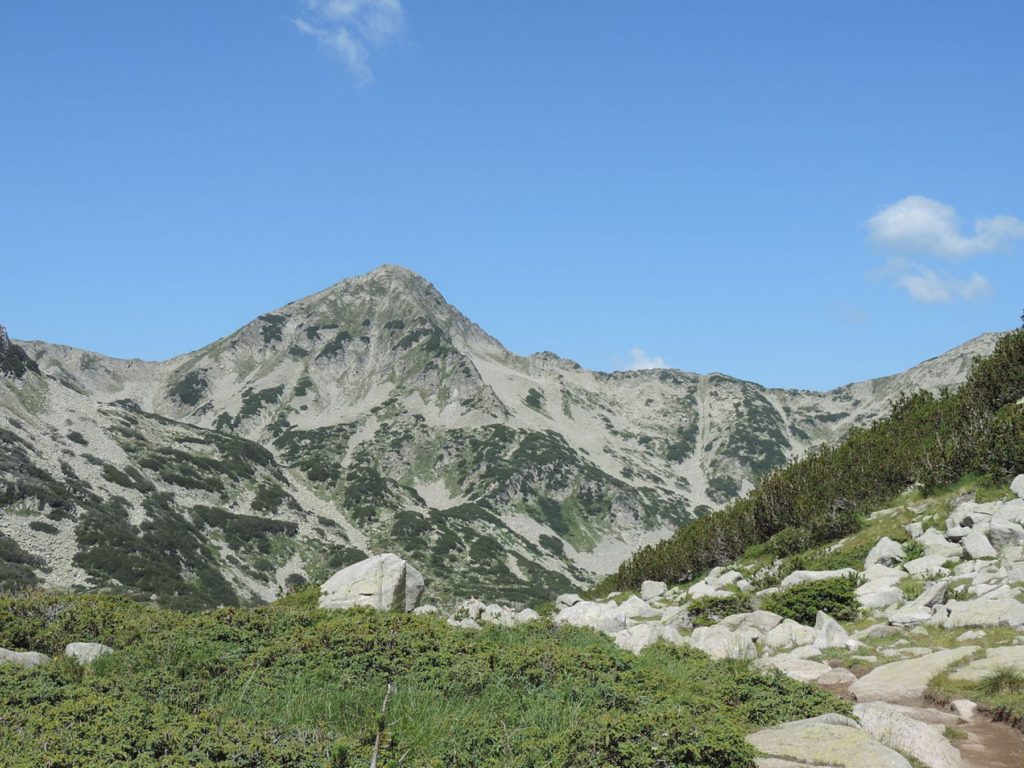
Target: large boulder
[1005, 534]
[828, 740]
[1006, 657]
[904, 682]
[27, 659]
[885, 552]
[1017, 486]
[829, 633]
[977, 545]
[804, 670]
[789, 634]
[86, 653]
[652, 589]
[640, 636]
[385, 582]
[984, 612]
[718, 642]
[894, 728]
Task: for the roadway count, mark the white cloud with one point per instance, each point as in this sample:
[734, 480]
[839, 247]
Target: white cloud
[641, 361]
[931, 288]
[924, 225]
[351, 28]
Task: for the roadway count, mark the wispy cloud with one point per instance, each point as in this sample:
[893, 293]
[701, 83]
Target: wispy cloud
[352, 28]
[641, 361]
[929, 287]
[920, 224]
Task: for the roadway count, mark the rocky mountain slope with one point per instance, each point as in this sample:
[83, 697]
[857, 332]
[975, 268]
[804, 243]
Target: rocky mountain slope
[374, 416]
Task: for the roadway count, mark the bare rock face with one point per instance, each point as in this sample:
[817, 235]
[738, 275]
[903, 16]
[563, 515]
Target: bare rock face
[385, 582]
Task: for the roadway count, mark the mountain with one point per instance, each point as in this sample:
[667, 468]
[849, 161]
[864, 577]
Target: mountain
[374, 415]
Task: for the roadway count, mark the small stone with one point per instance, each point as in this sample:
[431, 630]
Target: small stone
[966, 708]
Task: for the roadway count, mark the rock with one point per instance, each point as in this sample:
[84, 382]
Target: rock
[925, 743]
[971, 634]
[27, 659]
[677, 617]
[718, 642]
[879, 572]
[705, 589]
[802, 577]
[567, 600]
[958, 533]
[876, 631]
[1005, 612]
[904, 682]
[928, 567]
[829, 633]
[525, 616]
[837, 677]
[789, 634]
[919, 610]
[501, 615]
[878, 594]
[1005, 534]
[604, 617]
[1017, 486]
[914, 530]
[472, 608]
[886, 552]
[652, 589]
[464, 623]
[804, 670]
[86, 653]
[1005, 657]
[965, 708]
[977, 546]
[762, 621]
[820, 742]
[804, 652]
[385, 582]
[641, 636]
[935, 545]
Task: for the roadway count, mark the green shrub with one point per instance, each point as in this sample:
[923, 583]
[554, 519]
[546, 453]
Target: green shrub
[790, 541]
[290, 686]
[1003, 680]
[705, 611]
[801, 602]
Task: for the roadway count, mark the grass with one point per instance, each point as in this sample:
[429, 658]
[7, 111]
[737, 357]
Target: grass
[290, 686]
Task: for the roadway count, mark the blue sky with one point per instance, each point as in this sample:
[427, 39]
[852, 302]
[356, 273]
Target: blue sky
[797, 193]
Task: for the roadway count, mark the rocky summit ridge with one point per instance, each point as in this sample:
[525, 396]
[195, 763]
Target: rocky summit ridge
[373, 416]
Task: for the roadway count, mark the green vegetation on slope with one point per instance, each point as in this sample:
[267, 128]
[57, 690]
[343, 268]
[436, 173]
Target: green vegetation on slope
[927, 440]
[290, 686]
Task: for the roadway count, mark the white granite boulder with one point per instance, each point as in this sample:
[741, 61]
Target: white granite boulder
[86, 653]
[384, 582]
[27, 659]
[885, 552]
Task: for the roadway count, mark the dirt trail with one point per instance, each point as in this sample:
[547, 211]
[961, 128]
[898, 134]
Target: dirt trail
[990, 745]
